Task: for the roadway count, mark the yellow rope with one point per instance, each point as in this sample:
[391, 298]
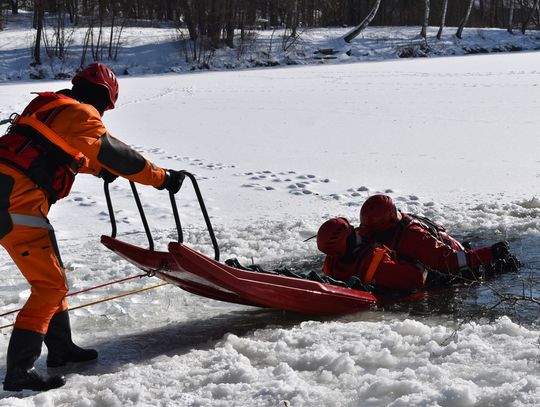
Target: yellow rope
[105, 299]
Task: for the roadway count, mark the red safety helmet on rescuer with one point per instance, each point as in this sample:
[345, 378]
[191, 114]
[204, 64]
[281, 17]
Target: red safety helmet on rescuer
[379, 214]
[101, 75]
[334, 237]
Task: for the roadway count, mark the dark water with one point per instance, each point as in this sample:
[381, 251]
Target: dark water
[516, 295]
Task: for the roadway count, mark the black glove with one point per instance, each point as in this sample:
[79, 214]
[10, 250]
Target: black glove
[500, 251]
[513, 263]
[508, 265]
[107, 176]
[173, 181]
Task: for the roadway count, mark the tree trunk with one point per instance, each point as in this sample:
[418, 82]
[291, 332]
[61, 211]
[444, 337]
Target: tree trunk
[482, 7]
[72, 11]
[111, 34]
[459, 32]
[510, 27]
[213, 24]
[189, 20]
[357, 30]
[443, 19]
[14, 6]
[525, 23]
[294, 18]
[38, 18]
[425, 24]
[230, 23]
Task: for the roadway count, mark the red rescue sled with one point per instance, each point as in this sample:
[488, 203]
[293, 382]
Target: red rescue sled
[201, 275]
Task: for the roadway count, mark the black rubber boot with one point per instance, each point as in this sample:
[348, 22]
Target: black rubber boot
[23, 350]
[61, 347]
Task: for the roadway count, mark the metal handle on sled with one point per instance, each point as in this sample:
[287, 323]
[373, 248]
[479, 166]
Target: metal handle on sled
[174, 209]
[203, 210]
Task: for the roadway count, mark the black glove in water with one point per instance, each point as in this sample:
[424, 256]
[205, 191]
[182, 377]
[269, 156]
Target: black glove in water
[508, 264]
[107, 176]
[500, 250]
[173, 181]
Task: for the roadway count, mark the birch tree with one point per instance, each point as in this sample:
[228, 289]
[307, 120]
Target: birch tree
[443, 19]
[357, 30]
[510, 27]
[465, 20]
[425, 24]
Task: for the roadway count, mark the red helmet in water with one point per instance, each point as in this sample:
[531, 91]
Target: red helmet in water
[378, 214]
[100, 75]
[333, 236]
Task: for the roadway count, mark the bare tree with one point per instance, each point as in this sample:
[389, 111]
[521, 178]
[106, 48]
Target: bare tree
[527, 20]
[73, 10]
[465, 20]
[369, 18]
[39, 13]
[86, 44]
[14, 6]
[443, 19]
[57, 45]
[294, 17]
[115, 33]
[425, 24]
[229, 14]
[510, 27]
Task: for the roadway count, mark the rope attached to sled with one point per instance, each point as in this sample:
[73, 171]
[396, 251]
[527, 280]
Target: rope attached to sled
[140, 290]
[86, 289]
[102, 300]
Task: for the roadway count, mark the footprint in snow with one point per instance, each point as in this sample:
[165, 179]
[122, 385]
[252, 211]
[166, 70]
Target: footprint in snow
[297, 184]
[83, 201]
[357, 194]
[258, 187]
[199, 162]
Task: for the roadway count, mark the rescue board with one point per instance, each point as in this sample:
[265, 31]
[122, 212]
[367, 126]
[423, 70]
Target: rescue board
[200, 275]
[273, 290]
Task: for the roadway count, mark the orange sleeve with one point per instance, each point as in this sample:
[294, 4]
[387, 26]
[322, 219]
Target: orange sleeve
[81, 126]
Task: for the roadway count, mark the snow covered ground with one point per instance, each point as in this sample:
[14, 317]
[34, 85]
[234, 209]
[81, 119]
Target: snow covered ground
[278, 151]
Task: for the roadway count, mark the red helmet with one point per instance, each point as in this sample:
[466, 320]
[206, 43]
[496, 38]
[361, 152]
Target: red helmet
[101, 75]
[378, 214]
[333, 236]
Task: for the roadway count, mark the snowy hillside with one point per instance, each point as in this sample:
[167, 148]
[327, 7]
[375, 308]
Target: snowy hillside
[278, 151]
[161, 50]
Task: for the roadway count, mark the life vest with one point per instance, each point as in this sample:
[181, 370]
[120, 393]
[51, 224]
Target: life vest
[362, 264]
[33, 148]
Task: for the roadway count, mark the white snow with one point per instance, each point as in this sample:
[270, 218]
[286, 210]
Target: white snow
[278, 151]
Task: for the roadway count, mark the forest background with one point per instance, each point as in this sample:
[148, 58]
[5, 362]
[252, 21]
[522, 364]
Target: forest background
[205, 26]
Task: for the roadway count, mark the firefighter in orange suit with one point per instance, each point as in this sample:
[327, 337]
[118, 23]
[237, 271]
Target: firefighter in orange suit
[58, 135]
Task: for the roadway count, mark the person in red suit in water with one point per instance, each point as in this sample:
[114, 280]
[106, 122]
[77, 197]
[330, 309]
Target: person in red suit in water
[396, 251]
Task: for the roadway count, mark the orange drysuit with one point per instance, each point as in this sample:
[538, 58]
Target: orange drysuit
[25, 232]
[376, 265]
